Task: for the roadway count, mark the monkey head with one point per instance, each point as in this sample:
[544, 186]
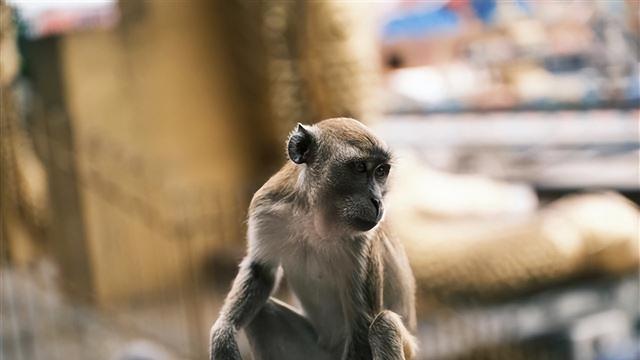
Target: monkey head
[344, 169]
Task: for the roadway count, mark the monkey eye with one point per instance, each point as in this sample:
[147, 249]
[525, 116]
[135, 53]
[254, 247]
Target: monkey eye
[361, 167]
[382, 170]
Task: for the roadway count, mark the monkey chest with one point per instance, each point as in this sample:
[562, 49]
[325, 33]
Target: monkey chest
[317, 285]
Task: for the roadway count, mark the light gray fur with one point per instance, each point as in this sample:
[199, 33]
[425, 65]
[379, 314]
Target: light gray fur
[326, 268]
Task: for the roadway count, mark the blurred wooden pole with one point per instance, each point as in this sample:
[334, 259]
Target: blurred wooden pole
[23, 180]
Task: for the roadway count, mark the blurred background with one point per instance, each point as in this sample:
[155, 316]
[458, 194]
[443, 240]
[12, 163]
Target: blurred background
[134, 133]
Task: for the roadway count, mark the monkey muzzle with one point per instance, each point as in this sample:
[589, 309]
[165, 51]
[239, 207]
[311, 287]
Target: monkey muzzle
[371, 216]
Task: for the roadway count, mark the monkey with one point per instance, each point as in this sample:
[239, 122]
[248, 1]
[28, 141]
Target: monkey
[320, 222]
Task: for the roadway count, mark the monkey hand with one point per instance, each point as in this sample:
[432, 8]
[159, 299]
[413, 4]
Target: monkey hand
[223, 344]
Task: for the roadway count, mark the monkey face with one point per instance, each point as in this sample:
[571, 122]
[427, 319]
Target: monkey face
[355, 192]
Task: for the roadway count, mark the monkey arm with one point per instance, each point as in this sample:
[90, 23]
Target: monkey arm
[377, 334]
[357, 346]
[251, 289]
[365, 304]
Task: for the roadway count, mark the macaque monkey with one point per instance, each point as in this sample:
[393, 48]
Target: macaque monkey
[320, 220]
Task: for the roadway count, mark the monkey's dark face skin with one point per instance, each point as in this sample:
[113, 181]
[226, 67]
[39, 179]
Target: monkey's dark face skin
[346, 166]
[355, 191]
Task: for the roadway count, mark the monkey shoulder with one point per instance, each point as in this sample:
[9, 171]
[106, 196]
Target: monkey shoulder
[274, 196]
[270, 215]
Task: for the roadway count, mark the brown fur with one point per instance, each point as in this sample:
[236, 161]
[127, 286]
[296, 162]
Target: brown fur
[364, 275]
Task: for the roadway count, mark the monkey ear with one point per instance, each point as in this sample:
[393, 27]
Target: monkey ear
[299, 144]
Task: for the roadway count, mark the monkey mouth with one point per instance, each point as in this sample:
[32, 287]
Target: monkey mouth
[364, 224]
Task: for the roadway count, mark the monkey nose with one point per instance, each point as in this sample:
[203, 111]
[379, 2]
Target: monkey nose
[378, 205]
